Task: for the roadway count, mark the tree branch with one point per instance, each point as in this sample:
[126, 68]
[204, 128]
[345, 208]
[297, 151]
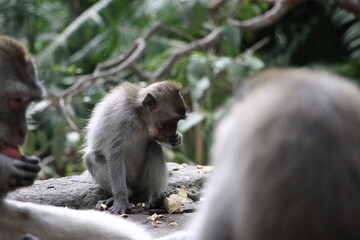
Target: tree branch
[178, 53]
[67, 115]
[125, 63]
[128, 59]
[280, 8]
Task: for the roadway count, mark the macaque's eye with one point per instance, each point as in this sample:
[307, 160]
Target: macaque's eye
[19, 102]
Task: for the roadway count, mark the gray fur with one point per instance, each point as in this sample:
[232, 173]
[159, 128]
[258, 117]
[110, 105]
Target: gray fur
[287, 162]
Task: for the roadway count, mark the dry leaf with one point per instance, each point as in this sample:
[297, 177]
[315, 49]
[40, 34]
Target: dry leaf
[204, 169]
[173, 203]
[155, 217]
[173, 224]
[103, 206]
[152, 217]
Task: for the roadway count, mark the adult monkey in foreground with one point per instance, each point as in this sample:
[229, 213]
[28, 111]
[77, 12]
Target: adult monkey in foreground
[19, 86]
[289, 151]
[122, 151]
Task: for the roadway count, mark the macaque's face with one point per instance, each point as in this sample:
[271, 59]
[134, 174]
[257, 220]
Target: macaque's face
[13, 119]
[167, 129]
[19, 86]
[164, 107]
[164, 122]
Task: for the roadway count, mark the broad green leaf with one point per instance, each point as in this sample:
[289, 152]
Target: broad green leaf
[230, 41]
[221, 64]
[196, 69]
[191, 120]
[199, 88]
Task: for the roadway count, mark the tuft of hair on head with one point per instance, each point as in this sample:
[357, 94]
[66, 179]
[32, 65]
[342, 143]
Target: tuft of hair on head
[176, 85]
[10, 48]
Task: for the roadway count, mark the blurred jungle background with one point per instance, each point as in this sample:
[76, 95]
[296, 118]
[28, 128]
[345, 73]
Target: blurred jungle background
[85, 47]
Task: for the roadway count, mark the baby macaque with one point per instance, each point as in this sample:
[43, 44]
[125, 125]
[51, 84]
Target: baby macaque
[122, 151]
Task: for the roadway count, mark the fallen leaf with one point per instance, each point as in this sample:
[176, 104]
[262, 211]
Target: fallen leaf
[204, 169]
[103, 206]
[173, 203]
[152, 217]
[155, 217]
[173, 224]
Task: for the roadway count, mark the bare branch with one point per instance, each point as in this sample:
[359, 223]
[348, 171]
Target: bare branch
[76, 88]
[177, 32]
[268, 18]
[67, 115]
[119, 64]
[114, 62]
[141, 75]
[349, 5]
[202, 43]
[127, 60]
[259, 44]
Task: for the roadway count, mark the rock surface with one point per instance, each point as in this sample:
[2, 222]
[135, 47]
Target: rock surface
[81, 192]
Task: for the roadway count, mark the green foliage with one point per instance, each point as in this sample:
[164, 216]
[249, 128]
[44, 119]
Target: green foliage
[69, 38]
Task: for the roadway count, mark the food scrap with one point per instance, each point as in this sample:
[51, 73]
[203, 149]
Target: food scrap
[204, 169]
[174, 202]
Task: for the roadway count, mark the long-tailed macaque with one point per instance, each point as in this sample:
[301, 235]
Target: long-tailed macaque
[122, 151]
[19, 87]
[287, 160]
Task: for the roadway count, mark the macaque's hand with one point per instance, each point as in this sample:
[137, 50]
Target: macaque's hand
[176, 139]
[27, 169]
[17, 173]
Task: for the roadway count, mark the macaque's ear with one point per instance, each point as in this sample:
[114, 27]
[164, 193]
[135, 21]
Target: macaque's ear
[150, 102]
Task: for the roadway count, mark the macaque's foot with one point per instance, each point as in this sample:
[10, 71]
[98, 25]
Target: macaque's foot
[120, 208]
[113, 207]
[176, 139]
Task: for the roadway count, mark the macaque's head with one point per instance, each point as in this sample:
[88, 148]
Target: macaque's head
[163, 108]
[19, 87]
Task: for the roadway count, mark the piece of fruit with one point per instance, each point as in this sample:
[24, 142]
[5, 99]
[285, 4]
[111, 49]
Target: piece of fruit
[12, 152]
